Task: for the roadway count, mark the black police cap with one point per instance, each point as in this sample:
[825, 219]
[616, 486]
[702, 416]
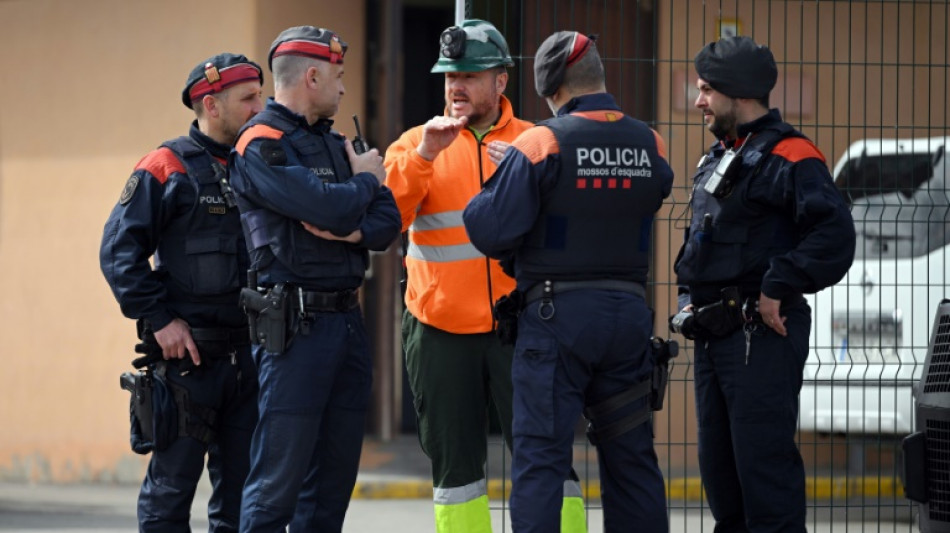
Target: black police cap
[217, 73]
[737, 67]
[309, 41]
[559, 51]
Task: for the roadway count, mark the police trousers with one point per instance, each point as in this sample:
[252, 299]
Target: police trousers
[748, 412]
[164, 503]
[593, 347]
[306, 447]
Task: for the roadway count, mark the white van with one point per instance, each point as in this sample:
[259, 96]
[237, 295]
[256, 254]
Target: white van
[870, 332]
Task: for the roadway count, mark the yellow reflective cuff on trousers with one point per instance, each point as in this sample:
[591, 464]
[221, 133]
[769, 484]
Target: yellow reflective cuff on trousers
[462, 509]
[573, 516]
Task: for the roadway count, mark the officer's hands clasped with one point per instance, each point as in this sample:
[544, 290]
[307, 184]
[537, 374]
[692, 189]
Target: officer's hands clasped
[354, 237]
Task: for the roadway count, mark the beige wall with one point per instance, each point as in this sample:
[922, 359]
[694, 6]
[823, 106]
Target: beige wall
[87, 89]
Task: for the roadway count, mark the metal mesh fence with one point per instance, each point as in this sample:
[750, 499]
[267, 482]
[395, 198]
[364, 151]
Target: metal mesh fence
[867, 82]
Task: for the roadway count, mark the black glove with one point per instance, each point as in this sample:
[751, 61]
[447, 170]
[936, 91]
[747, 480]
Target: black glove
[505, 312]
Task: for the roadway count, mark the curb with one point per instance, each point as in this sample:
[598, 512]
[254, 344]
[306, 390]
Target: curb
[689, 489]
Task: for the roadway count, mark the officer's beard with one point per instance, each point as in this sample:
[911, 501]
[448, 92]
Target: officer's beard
[724, 124]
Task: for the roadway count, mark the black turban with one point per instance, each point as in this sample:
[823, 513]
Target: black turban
[737, 67]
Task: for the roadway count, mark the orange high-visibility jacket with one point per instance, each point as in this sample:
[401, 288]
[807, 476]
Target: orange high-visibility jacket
[449, 280]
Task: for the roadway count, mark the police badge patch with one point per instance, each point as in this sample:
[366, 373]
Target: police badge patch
[273, 153]
[129, 189]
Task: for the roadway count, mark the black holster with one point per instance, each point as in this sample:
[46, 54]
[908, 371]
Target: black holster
[141, 435]
[141, 386]
[154, 409]
[663, 352]
[160, 412]
[268, 316]
[506, 312]
[600, 431]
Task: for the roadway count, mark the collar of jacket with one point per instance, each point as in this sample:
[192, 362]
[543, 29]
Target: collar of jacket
[759, 124]
[213, 147]
[743, 130]
[322, 125]
[589, 102]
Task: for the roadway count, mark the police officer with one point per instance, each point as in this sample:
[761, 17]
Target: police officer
[178, 206]
[571, 206]
[454, 359]
[767, 225]
[311, 208]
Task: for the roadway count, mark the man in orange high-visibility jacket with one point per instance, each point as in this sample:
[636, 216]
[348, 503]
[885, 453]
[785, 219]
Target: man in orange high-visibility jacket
[454, 359]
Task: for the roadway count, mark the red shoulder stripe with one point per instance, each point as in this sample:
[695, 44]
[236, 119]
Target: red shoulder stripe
[161, 163]
[255, 132]
[794, 149]
[537, 143]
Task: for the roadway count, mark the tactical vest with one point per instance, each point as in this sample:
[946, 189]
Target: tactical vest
[597, 220]
[731, 240]
[202, 249]
[302, 256]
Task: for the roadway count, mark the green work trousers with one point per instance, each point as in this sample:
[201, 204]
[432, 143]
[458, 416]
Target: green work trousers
[452, 377]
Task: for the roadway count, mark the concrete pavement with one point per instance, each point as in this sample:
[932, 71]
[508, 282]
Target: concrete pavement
[105, 508]
[394, 491]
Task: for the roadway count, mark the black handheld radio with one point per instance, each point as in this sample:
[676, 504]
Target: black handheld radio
[359, 145]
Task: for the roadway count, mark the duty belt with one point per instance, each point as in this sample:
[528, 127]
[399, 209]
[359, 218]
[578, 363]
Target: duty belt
[548, 288]
[315, 301]
[231, 336]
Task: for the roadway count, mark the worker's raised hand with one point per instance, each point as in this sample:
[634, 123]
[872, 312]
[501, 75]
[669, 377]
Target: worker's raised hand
[438, 134]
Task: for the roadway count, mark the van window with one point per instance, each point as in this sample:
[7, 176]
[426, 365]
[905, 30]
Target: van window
[900, 173]
[899, 210]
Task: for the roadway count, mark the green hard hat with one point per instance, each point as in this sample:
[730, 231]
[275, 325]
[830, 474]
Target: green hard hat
[473, 46]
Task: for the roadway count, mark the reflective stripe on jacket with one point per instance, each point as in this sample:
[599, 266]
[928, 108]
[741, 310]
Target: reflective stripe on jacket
[449, 283]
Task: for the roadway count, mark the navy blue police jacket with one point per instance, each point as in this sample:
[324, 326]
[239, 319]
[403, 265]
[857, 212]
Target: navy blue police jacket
[285, 171]
[173, 208]
[574, 197]
[784, 230]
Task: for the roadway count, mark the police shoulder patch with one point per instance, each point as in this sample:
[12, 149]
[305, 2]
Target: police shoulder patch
[273, 153]
[129, 189]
